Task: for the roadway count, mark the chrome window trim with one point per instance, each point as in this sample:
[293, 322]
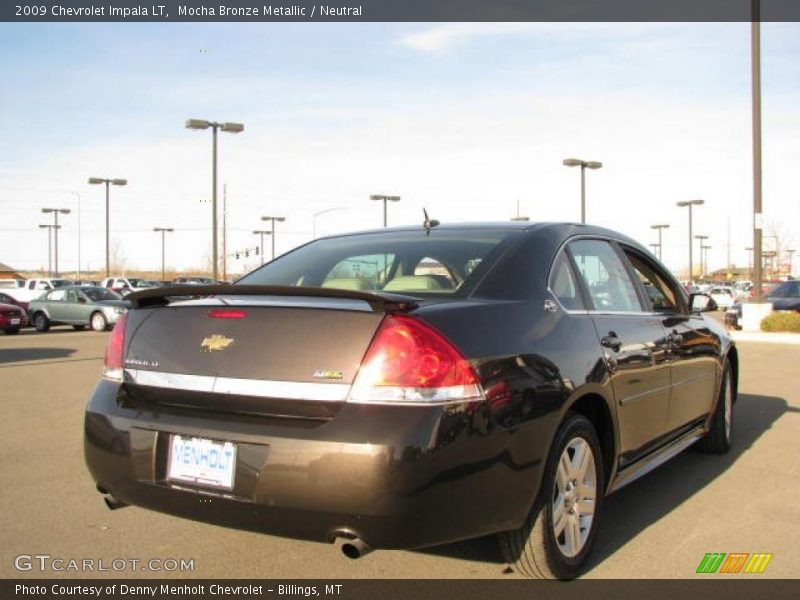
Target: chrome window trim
[262, 388]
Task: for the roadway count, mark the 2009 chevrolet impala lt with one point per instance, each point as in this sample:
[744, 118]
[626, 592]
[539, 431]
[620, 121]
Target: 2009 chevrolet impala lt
[410, 387]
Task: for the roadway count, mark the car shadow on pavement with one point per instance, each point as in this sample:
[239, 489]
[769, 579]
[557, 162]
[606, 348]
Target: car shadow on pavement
[17, 355]
[639, 505]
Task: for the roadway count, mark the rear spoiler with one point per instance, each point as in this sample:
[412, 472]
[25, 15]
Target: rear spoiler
[161, 296]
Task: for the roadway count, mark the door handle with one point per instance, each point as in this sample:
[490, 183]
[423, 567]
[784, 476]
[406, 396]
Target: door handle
[611, 341]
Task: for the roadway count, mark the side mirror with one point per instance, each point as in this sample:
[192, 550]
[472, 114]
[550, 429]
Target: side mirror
[81, 300]
[702, 303]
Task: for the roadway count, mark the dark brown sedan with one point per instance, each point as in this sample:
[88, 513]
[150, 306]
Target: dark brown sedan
[412, 387]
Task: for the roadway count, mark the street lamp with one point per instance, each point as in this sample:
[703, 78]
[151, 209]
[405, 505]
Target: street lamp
[520, 217]
[162, 231]
[262, 233]
[97, 181]
[704, 257]
[56, 211]
[659, 228]
[583, 164]
[49, 247]
[385, 199]
[690, 203]
[322, 212]
[228, 128]
[272, 232]
[702, 239]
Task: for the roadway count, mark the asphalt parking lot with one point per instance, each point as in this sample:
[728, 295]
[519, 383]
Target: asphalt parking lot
[659, 527]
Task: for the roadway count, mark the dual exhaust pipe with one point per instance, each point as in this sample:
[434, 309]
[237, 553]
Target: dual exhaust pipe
[353, 547]
[112, 502]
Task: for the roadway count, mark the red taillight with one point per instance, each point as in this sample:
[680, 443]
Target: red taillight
[226, 313]
[409, 361]
[115, 351]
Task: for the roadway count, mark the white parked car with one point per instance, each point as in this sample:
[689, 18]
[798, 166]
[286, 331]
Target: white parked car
[723, 296]
[126, 285]
[34, 288]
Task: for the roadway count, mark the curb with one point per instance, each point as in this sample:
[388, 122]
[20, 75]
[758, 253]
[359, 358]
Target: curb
[764, 337]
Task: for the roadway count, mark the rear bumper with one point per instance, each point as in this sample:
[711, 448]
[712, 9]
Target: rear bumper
[395, 477]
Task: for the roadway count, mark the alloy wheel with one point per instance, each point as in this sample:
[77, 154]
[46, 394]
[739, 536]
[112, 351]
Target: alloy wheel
[574, 497]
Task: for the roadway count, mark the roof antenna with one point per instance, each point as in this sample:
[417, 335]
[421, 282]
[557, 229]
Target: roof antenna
[428, 223]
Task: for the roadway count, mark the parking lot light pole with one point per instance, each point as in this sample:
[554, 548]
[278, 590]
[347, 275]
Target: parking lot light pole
[790, 252]
[228, 128]
[689, 204]
[659, 228]
[163, 231]
[386, 199]
[272, 230]
[49, 248]
[262, 233]
[704, 258]
[56, 227]
[97, 181]
[701, 239]
[583, 164]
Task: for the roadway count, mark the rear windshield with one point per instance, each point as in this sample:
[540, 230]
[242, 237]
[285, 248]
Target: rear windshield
[443, 262]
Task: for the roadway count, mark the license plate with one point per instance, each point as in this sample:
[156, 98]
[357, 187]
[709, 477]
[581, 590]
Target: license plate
[15, 321]
[201, 461]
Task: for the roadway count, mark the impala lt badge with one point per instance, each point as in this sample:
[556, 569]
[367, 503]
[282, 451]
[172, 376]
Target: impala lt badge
[216, 342]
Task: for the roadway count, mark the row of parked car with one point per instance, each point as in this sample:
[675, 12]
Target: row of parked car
[85, 303]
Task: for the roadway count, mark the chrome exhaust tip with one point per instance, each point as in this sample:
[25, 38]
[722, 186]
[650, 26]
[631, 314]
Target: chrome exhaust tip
[113, 503]
[355, 548]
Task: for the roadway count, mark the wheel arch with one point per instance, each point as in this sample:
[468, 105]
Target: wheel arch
[595, 407]
[732, 356]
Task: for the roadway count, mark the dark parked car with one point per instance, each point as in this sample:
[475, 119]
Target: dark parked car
[412, 387]
[784, 296]
[93, 306]
[12, 318]
[192, 281]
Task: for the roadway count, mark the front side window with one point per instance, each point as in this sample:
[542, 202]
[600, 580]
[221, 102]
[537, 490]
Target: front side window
[662, 296]
[605, 276]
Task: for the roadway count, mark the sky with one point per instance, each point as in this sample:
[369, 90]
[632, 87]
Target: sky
[466, 120]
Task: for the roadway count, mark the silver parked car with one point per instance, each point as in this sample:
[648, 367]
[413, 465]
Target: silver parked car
[79, 306]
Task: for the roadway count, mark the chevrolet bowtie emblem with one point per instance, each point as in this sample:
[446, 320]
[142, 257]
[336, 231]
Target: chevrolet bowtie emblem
[216, 342]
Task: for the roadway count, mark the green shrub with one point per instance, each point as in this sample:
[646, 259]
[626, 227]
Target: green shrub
[782, 321]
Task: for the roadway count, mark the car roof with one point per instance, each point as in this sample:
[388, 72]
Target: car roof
[560, 229]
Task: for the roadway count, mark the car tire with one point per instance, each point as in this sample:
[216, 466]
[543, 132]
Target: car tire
[11, 331]
[79, 327]
[536, 549]
[98, 321]
[718, 438]
[41, 322]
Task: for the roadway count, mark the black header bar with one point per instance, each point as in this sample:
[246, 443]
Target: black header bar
[396, 10]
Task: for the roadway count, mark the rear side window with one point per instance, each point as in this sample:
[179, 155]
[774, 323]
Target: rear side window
[442, 262]
[563, 284]
[605, 276]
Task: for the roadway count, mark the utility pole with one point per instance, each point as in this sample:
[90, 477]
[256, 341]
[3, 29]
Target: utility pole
[225, 232]
[755, 60]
